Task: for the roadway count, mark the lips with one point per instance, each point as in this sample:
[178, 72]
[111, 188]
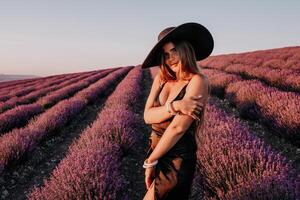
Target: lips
[174, 64]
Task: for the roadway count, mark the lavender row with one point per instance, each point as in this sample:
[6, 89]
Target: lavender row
[92, 167]
[20, 142]
[41, 91]
[25, 88]
[22, 90]
[11, 85]
[69, 90]
[153, 72]
[280, 58]
[277, 109]
[219, 80]
[286, 79]
[20, 115]
[280, 111]
[237, 165]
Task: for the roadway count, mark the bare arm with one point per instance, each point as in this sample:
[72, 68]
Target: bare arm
[157, 114]
[180, 123]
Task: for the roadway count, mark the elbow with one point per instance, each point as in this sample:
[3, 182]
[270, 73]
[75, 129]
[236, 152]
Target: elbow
[146, 119]
[146, 122]
[178, 130]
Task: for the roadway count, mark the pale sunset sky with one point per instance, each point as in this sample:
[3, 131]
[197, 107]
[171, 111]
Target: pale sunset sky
[63, 36]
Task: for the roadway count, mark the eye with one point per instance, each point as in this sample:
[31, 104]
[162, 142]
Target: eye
[166, 55]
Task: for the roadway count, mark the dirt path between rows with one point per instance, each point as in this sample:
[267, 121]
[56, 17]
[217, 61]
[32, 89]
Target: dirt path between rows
[18, 181]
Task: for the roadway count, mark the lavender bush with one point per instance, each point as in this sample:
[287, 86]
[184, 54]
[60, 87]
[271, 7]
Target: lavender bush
[91, 169]
[18, 142]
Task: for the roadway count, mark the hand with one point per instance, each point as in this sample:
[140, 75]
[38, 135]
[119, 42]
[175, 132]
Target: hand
[149, 176]
[191, 106]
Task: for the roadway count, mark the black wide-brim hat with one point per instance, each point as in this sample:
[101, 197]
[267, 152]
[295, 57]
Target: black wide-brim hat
[196, 34]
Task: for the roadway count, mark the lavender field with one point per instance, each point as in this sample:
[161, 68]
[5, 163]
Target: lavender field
[83, 136]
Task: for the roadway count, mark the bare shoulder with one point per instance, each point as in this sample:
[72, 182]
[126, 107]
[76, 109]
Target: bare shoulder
[155, 88]
[199, 80]
[156, 80]
[153, 92]
[198, 85]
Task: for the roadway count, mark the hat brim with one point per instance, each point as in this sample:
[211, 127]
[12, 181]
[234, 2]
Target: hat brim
[198, 36]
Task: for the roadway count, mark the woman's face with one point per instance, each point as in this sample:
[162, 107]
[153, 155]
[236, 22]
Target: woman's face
[171, 56]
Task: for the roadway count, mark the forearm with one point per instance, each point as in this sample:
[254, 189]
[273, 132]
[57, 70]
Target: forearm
[160, 113]
[166, 142]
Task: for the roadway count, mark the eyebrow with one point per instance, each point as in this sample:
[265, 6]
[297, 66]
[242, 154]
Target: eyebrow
[171, 49]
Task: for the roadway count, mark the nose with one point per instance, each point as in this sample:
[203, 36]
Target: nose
[172, 56]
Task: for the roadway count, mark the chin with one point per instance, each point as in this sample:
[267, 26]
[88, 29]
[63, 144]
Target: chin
[173, 68]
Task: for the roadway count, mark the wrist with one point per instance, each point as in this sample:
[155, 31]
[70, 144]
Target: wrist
[149, 160]
[149, 164]
[169, 108]
[176, 105]
[172, 108]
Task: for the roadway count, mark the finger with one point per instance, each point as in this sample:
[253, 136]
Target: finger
[199, 110]
[196, 97]
[199, 107]
[148, 182]
[192, 116]
[196, 118]
[200, 103]
[195, 112]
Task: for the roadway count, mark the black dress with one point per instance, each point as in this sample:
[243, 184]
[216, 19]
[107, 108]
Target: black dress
[175, 170]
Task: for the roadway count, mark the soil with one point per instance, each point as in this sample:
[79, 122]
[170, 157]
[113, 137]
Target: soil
[280, 144]
[18, 181]
[133, 162]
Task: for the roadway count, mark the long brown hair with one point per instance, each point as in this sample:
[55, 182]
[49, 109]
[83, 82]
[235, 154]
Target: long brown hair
[188, 67]
[188, 61]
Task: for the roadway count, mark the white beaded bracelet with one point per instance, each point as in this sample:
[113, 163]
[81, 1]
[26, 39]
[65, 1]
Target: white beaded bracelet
[149, 165]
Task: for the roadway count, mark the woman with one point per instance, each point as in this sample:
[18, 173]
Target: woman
[175, 109]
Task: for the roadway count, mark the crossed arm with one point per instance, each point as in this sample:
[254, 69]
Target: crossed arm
[153, 115]
[180, 123]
